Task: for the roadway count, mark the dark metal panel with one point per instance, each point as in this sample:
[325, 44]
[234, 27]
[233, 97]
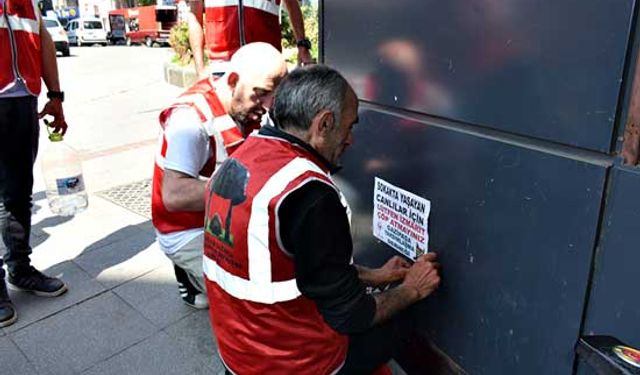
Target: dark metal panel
[614, 305]
[548, 69]
[514, 229]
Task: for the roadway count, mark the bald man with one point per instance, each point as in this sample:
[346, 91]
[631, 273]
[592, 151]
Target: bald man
[198, 132]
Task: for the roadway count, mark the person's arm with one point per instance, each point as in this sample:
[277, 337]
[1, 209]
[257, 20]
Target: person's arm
[196, 42]
[187, 152]
[421, 280]
[315, 229]
[297, 24]
[50, 76]
[394, 270]
[181, 192]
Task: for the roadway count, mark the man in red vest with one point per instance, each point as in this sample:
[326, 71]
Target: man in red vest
[27, 55]
[230, 24]
[286, 297]
[206, 124]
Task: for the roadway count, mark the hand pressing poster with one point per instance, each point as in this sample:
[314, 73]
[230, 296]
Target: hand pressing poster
[400, 219]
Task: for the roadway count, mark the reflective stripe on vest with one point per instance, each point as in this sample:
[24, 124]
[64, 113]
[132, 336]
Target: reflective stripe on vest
[263, 323]
[20, 24]
[20, 45]
[224, 138]
[260, 287]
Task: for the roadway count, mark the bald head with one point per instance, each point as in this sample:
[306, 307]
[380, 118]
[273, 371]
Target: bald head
[258, 61]
[254, 72]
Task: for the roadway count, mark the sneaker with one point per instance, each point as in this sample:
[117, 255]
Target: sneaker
[197, 301]
[31, 280]
[8, 314]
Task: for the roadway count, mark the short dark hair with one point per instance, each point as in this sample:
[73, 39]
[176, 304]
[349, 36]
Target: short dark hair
[305, 92]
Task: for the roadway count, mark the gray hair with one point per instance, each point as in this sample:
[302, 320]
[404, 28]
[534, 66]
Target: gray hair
[307, 91]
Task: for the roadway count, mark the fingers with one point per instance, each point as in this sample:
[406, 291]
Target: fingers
[400, 261]
[428, 257]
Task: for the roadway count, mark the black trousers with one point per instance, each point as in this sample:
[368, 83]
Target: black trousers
[376, 346]
[19, 131]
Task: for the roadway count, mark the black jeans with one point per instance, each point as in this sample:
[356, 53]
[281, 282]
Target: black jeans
[19, 132]
[376, 346]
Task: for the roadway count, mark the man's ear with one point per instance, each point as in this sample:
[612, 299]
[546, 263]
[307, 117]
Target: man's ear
[232, 80]
[324, 122]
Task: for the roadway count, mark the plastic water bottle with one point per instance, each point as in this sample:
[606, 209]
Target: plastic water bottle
[62, 172]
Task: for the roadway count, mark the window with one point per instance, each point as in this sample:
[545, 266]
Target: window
[50, 23]
[92, 25]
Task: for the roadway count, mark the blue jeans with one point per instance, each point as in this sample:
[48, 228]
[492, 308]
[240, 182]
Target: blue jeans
[19, 131]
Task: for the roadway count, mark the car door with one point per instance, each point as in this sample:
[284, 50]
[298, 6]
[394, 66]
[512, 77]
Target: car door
[71, 31]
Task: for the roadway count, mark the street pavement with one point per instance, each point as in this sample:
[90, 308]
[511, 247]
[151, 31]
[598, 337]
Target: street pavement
[122, 314]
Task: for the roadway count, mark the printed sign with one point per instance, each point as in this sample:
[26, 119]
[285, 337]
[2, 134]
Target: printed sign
[400, 219]
[70, 185]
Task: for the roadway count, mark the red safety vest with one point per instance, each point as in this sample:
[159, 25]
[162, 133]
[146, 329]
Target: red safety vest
[224, 138]
[222, 25]
[20, 45]
[262, 322]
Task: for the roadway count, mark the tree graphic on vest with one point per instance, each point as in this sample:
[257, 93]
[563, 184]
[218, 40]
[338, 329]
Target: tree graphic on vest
[229, 182]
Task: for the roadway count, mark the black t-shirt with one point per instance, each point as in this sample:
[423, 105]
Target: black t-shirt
[315, 230]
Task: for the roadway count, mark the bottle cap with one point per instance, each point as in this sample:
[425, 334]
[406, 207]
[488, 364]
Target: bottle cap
[53, 137]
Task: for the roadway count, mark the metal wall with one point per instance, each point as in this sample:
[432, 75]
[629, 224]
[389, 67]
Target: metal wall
[502, 113]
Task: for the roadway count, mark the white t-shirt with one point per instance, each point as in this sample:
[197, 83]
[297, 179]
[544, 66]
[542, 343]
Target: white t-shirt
[188, 150]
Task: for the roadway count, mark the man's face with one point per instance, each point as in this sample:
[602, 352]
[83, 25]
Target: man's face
[251, 99]
[341, 137]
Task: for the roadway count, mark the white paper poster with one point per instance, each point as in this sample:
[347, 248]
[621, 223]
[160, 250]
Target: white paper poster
[400, 219]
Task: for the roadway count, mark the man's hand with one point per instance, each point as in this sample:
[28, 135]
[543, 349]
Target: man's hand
[420, 281]
[394, 270]
[54, 108]
[304, 57]
[423, 276]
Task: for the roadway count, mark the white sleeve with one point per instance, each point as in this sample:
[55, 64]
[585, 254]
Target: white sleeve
[188, 146]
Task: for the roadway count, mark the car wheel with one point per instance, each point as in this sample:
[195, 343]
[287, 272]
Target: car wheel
[65, 52]
[148, 42]
[128, 42]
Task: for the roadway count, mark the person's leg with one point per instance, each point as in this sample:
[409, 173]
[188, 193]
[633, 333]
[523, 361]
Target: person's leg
[189, 273]
[7, 312]
[18, 148]
[373, 348]
[20, 132]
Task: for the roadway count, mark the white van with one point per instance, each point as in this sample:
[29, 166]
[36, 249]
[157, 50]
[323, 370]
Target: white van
[58, 34]
[83, 31]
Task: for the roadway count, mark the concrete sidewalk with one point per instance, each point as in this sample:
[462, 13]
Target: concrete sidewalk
[122, 314]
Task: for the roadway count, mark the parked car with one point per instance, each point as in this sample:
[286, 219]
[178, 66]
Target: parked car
[58, 35]
[83, 31]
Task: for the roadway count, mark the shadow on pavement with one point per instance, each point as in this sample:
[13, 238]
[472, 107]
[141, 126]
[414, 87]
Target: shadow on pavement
[117, 247]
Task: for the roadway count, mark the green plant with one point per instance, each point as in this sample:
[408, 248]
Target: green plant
[179, 41]
[310, 15]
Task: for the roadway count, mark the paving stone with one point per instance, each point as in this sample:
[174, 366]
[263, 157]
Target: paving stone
[82, 336]
[194, 334]
[12, 361]
[157, 355]
[155, 295]
[32, 308]
[118, 262]
[69, 239]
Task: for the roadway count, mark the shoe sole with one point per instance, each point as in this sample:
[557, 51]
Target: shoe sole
[39, 293]
[197, 307]
[9, 322]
